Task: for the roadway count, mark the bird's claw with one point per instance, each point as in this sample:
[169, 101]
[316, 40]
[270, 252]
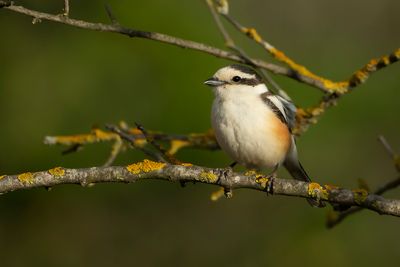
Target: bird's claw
[224, 172]
[270, 184]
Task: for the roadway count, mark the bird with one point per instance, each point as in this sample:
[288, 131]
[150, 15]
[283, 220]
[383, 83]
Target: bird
[252, 125]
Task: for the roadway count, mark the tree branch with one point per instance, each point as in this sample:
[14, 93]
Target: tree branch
[295, 71]
[337, 217]
[231, 45]
[66, 8]
[194, 140]
[114, 28]
[326, 85]
[189, 173]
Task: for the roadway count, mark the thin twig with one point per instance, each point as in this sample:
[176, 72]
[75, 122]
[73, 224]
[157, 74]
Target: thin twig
[310, 116]
[111, 15]
[231, 45]
[177, 141]
[126, 136]
[117, 147]
[66, 8]
[163, 153]
[387, 146]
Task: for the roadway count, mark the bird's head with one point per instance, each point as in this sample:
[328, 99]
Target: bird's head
[238, 79]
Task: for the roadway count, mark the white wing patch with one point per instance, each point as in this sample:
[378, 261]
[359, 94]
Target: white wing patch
[289, 111]
[286, 108]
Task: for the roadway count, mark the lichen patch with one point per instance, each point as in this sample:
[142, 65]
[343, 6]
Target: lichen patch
[315, 190]
[26, 178]
[57, 172]
[176, 145]
[208, 177]
[145, 166]
[360, 195]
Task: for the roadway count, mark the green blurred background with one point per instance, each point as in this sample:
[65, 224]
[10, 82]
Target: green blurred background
[56, 79]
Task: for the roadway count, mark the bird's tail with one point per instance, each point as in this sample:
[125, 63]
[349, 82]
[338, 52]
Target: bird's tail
[297, 171]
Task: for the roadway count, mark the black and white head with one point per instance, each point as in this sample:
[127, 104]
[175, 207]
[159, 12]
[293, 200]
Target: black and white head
[236, 79]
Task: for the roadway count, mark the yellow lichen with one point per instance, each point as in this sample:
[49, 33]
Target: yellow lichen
[145, 166]
[330, 187]
[360, 75]
[338, 87]
[262, 180]
[208, 177]
[253, 34]
[135, 131]
[186, 164]
[57, 172]
[102, 135]
[26, 178]
[176, 145]
[95, 136]
[140, 142]
[386, 60]
[372, 64]
[250, 172]
[397, 53]
[360, 195]
[363, 184]
[2, 176]
[317, 191]
[217, 194]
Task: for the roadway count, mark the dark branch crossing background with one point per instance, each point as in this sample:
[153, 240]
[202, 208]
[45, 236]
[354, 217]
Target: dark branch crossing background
[56, 81]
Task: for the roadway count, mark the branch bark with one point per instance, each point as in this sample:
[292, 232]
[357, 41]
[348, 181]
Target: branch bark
[189, 173]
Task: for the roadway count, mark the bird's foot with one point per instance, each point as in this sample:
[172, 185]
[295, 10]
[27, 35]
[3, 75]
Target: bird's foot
[224, 173]
[265, 181]
[270, 185]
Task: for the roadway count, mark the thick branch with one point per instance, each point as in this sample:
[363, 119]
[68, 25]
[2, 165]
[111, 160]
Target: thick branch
[187, 172]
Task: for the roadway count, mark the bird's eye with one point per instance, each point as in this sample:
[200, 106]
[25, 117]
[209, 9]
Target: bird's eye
[236, 79]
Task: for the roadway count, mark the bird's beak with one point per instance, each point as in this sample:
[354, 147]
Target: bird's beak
[214, 82]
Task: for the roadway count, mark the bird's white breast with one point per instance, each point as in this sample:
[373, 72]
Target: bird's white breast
[248, 130]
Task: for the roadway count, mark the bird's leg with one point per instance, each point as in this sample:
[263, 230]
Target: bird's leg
[226, 171]
[223, 173]
[271, 177]
[233, 164]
